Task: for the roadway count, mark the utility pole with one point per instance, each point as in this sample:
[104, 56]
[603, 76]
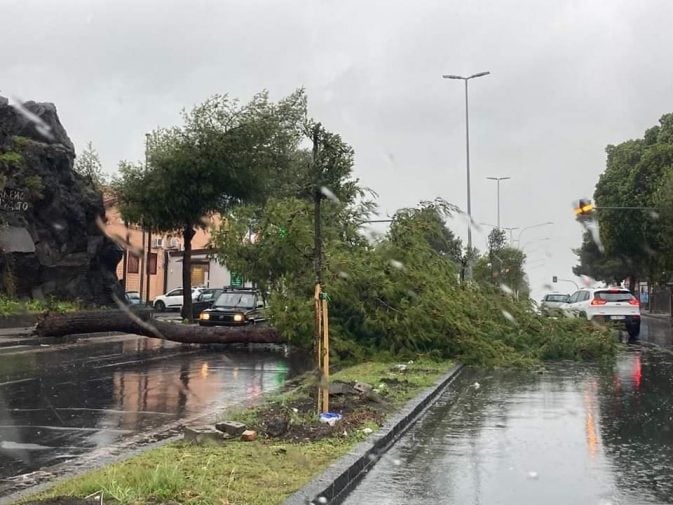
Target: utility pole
[147, 264]
[320, 298]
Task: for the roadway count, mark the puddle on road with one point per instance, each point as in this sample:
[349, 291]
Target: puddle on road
[575, 434]
[61, 404]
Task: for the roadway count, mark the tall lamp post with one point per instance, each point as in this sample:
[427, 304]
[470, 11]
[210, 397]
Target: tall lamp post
[467, 151]
[497, 180]
[518, 240]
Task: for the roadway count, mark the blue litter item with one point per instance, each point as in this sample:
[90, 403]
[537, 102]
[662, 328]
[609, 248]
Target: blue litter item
[330, 418]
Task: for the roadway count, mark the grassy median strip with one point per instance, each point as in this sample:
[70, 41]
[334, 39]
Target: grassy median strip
[268, 470]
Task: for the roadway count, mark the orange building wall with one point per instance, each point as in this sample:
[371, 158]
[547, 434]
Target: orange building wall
[133, 234]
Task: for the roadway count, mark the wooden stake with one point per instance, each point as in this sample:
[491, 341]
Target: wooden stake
[324, 379]
[318, 339]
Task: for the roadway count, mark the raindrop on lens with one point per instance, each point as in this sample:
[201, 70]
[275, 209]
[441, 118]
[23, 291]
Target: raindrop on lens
[397, 264]
[532, 475]
[508, 316]
[328, 194]
[506, 289]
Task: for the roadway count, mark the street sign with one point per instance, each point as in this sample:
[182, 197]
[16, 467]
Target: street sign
[236, 280]
[554, 279]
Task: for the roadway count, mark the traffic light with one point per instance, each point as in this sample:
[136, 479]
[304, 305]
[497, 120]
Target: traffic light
[584, 208]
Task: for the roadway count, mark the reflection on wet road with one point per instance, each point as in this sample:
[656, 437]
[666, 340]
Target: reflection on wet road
[62, 401]
[577, 434]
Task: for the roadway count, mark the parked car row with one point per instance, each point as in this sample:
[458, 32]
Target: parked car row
[226, 306]
[611, 305]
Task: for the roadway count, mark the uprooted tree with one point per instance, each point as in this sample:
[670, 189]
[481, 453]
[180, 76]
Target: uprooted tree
[59, 325]
[225, 154]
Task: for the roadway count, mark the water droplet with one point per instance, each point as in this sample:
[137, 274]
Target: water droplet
[43, 128]
[476, 385]
[397, 462]
[343, 275]
[508, 316]
[322, 499]
[506, 289]
[532, 475]
[654, 214]
[397, 264]
[328, 194]
[587, 281]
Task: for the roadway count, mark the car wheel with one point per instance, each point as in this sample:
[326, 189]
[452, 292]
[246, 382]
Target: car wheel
[160, 306]
[633, 330]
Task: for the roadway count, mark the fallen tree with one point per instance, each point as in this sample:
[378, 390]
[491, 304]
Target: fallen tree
[139, 323]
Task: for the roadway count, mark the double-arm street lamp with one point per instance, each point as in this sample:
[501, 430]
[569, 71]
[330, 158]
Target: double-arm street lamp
[510, 229]
[467, 151]
[497, 180]
[518, 240]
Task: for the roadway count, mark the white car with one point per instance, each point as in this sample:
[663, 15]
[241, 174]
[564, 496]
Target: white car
[173, 299]
[553, 303]
[606, 304]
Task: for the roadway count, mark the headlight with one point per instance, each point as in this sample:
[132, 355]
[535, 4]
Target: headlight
[204, 316]
[239, 317]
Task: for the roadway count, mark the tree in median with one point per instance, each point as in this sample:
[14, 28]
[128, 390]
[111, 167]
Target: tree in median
[224, 155]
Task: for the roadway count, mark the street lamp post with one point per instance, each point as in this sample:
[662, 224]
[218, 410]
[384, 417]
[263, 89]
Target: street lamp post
[510, 229]
[533, 242]
[467, 151]
[497, 180]
[518, 240]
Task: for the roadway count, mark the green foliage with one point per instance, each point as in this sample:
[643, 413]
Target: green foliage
[636, 242]
[11, 159]
[595, 264]
[20, 141]
[401, 295]
[88, 165]
[10, 306]
[224, 155]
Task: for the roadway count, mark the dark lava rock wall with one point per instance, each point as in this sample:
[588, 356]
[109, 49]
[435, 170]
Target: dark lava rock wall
[50, 244]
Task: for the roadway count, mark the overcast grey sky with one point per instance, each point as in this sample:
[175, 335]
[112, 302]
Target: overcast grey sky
[568, 78]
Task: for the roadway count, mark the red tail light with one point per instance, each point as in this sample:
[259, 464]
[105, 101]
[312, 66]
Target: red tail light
[634, 301]
[598, 301]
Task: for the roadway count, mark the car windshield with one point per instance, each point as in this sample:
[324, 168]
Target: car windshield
[209, 294]
[557, 298]
[230, 300]
[613, 296]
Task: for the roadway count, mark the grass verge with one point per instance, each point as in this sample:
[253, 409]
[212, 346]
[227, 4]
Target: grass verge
[10, 306]
[271, 468]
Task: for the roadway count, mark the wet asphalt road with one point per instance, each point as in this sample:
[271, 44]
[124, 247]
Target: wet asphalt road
[577, 434]
[59, 402]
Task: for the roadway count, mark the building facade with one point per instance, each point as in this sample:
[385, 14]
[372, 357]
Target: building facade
[162, 262]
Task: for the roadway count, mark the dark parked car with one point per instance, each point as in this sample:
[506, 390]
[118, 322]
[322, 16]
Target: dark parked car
[235, 307]
[205, 300]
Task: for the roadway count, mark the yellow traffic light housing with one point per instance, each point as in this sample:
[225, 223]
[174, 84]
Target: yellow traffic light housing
[584, 208]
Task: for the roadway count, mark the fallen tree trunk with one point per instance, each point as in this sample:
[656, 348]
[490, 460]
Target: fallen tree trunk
[59, 325]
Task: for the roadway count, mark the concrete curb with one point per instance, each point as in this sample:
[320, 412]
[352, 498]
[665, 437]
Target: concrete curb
[18, 320]
[334, 484]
